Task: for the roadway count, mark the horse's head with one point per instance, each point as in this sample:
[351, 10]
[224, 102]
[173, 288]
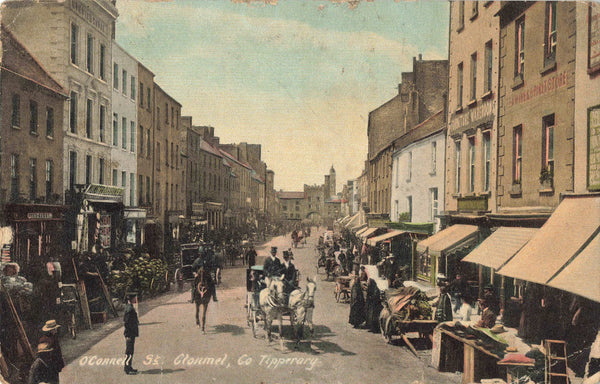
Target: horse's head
[311, 288]
[276, 289]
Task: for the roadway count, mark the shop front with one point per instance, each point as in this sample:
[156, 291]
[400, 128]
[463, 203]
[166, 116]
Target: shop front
[441, 253]
[134, 220]
[100, 217]
[37, 233]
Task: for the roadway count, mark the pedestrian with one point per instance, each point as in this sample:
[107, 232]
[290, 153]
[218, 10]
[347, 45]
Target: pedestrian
[443, 305]
[251, 255]
[50, 337]
[466, 309]
[458, 288]
[130, 318]
[43, 369]
[357, 304]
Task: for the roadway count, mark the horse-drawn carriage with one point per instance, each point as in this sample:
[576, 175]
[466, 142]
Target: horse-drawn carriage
[265, 303]
[184, 272]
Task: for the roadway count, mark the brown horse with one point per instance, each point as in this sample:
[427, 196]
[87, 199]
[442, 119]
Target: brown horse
[202, 295]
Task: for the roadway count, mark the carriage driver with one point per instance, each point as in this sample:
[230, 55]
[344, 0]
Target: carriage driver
[272, 266]
[289, 273]
[203, 261]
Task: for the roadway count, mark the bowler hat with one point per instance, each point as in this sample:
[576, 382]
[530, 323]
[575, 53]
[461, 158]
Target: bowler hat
[273, 249]
[50, 325]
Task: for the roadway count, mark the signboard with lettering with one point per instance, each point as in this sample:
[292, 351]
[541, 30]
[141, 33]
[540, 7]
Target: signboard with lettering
[594, 37]
[593, 166]
[39, 215]
[547, 85]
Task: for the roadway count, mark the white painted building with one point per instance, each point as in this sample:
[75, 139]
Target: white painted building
[123, 164]
[417, 193]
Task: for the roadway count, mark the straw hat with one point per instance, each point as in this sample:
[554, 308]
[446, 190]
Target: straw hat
[498, 328]
[44, 347]
[50, 325]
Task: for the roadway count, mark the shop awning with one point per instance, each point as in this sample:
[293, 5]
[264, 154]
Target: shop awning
[574, 223]
[500, 246]
[377, 239]
[368, 233]
[354, 221]
[449, 239]
[580, 276]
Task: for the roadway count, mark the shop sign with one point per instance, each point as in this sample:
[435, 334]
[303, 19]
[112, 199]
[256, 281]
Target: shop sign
[39, 215]
[543, 87]
[593, 158]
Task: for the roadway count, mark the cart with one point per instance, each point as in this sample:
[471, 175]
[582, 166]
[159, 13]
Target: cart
[188, 253]
[406, 310]
[254, 284]
[342, 289]
[69, 308]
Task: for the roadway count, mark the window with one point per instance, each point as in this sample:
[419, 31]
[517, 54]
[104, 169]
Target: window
[409, 166]
[141, 139]
[457, 161]
[461, 15]
[158, 117]
[32, 179]
[72, 170]
[550, 36]
[147, 189]
[132, 189]
[140, 189]
[90, 54]
[101, 172]
[74, 43]
[489, 58]
[474, 76]
[14, 176]
[49, 179]
[133, 82]
[157, 153]
[433, 157]
[471, 164]
[487, 155]
[172, 117]
[166, 113]
[88, 169]
[115, 129]
[114, 178]
[172, 155]
[124, 180]
[49, 122]
[16, 111]
[33, 117]
[167, 153]
[88, 119]
[148, 143]
[102, 124]
[517, 153]
[102, 61]
[410, 207]
[459, 86]
[433, 203]
[132, 138]
[148, 97]
[519, 47]
[177, 157]
[124, 82]
[141, 94]
[548, 144]
[73, 113]
[116, 76]
[124, 132]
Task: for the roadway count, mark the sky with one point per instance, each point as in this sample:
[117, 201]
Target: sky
[298, 77]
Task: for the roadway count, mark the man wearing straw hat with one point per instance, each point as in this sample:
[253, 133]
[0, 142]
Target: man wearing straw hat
[50, 337]
[43, 369]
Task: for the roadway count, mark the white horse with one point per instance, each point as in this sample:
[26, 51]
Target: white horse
[303, 305]
[272, 303]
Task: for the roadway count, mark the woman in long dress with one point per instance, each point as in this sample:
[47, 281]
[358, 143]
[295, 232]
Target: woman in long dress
[357, 304]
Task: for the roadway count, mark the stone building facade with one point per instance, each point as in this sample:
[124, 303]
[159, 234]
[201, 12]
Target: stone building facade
[536, 106]
[145, 152]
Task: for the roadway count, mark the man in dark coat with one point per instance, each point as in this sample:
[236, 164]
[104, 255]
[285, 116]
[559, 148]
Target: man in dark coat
[357, 304]
[443, 307]
[43, 369]
[130, 318]
[289, 272]
[251, 256]
[272, 265]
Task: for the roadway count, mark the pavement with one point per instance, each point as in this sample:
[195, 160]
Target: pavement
[171, 349]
